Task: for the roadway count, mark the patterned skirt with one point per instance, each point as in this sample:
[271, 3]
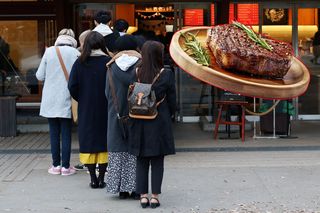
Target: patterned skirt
[121, 176]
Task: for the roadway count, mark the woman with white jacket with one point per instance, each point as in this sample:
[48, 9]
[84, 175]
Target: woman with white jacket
[56, 99]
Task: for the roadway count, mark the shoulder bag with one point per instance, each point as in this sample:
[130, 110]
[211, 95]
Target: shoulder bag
[74, 103]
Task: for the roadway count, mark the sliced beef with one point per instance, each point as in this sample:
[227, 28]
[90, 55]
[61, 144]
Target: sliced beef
[234, 50]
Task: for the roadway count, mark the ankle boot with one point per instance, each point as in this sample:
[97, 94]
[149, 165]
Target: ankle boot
[94, 180]
[102, 171]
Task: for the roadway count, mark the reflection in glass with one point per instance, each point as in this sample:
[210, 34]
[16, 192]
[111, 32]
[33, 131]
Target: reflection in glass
[21, 46]
[309, 103]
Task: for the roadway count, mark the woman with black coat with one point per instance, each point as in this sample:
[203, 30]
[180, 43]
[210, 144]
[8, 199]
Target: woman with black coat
[86, 85]
[151, 140]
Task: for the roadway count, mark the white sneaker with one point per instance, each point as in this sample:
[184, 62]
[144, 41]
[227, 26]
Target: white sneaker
[54, 170]
[69, 171]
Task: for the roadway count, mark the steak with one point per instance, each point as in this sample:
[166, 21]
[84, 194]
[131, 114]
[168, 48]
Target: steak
[234, 50]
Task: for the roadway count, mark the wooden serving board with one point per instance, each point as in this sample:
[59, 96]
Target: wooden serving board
[294, 84]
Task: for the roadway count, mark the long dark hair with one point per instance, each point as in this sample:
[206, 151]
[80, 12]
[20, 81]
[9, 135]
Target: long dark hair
[152, 53]
[126, 42]
[93, 41]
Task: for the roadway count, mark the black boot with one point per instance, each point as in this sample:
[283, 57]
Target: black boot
[94, 180]
[102, 171]
[124, 195]
[135, 196]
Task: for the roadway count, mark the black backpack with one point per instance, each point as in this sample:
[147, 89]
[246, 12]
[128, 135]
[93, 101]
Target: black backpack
[142, 99]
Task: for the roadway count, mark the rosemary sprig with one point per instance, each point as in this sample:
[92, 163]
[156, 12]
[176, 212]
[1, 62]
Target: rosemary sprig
[253, 36]
[195, 50]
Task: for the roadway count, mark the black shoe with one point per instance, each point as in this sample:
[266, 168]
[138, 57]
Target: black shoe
[94, 185]
[135, 196]
[124, 195]
[102, 185]
[80, 167]
[154, 205]
[144, 204]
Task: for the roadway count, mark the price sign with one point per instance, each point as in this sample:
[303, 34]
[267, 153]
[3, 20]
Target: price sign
[248, 13]
[193, 17]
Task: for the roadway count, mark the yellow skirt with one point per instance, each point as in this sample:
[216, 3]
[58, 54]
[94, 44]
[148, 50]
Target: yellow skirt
[93, 158]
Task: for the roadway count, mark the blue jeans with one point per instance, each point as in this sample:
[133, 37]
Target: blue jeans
[63, 126]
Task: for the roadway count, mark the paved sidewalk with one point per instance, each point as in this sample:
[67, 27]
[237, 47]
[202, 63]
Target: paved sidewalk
[230, 176]
[193, 182]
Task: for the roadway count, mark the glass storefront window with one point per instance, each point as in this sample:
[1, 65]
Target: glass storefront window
[22, 43]
[19, 56]
[84, 14]
[309, 103]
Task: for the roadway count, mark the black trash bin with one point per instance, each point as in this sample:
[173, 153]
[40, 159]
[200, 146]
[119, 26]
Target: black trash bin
[281, 125]
[8, 119]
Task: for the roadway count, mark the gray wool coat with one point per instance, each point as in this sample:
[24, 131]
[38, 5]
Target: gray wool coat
[121, 80]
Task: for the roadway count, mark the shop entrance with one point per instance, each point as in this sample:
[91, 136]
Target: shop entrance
[297, 24]
[308, 50]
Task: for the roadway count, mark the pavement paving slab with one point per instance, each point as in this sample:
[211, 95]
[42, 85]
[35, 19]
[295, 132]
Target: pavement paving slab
[205, 176]
[193, 182]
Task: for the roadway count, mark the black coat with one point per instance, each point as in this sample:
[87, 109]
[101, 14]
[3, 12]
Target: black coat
[121, 80]
[155, 137]
[111, 40]
[87, 85]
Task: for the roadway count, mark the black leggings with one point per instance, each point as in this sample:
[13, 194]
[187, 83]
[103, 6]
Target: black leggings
[143, 164]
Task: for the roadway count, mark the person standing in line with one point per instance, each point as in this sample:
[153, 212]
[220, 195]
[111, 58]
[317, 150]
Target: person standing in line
[316, 47]
[151, 140]
[121, 174]
[121, 26]
[82, 36]
[87, 85]
[56, 99]
[102, 20]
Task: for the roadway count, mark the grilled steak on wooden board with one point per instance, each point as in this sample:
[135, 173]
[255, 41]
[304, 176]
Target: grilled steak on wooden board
[234, 50]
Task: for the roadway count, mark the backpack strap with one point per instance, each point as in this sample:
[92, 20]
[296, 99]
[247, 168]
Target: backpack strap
[154, 80]
[159, 102]
[137, 75]
[157, 76]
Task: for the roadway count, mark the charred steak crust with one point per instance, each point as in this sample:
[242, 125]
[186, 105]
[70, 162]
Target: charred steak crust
[234, 50]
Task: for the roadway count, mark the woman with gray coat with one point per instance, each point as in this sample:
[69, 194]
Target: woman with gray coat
[56, 99]
[121, 174]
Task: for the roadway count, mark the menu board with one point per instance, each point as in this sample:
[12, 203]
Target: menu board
[248, 13]
[212, 14]
[193, 17]
[231, 13]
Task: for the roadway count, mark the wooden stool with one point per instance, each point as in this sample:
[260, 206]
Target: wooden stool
[224, 106]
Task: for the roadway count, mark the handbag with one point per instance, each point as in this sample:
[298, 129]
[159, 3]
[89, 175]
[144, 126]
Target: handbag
[142, 99]
[74, 103]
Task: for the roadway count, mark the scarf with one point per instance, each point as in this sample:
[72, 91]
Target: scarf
[65, 40]
[103, 29]
[97, 52]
